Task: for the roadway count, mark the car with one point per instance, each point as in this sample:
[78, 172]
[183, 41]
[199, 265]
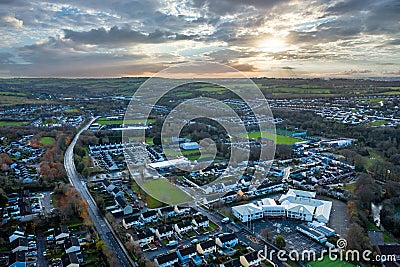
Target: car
[194, 241]
[172, 243]
[225, 220]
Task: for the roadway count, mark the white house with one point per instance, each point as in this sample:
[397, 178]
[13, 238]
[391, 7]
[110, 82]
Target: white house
[132, 221]
[144, 238]
[250, 259]
[228, 240]
[166, 212]
[200, 221]
[206, 247]
[149, 216]
[164, 232]
[183, 227]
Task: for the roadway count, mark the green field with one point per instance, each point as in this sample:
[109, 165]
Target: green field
[11, 123]
[12, 93]
[372, 158]
[104, 121]
[161, 189]
[326, 262]
[377, 123]
[279, 139]
[213, 89]
[47, 140]
[73, 110]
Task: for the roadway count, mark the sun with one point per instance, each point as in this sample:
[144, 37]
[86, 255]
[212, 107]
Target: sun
[272, 45]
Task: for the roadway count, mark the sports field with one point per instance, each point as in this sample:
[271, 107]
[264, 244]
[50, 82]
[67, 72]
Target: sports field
[279, 139]
[47, 140]
[104, 121]
[162, 190]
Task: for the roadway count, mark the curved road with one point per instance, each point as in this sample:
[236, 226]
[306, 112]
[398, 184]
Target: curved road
[103, 227]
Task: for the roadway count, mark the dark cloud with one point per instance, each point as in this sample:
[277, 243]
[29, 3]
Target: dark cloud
[223, 7]
[117, 36]
[287, 68]
[245, 67]
[227, 55]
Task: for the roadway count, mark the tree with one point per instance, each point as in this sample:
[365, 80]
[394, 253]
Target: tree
[266, 233]
[280, 241]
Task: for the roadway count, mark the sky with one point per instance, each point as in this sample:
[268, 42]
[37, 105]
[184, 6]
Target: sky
[261, 38]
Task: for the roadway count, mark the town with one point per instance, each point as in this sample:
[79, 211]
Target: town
[74, 192]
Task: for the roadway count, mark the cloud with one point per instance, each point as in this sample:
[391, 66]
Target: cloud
[245, 67]
[223, 7]
[287, 68]
[9, 21]
[124, 35]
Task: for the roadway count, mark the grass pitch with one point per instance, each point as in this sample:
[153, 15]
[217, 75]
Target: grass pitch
[162, 190]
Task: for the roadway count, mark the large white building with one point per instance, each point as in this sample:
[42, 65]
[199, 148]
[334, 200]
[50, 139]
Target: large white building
[247, 212]
[296, 204]
[302, 205]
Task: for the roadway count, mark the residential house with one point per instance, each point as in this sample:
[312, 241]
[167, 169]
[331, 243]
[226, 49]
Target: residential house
[186, 254]
[17, 259]
[181, 209]
[19, 244]
[117, 193]
[144, 238]
[70, 260]
[18, 233]
[164, 232]
[206, 247]
[132, 221]
[61, 232]
[166, 212]
[127, 208]
[266, 188]
[108, 185]
[183, 227]
[200, 221]
[167, 260]
[71, 244]
[250, 259]
[149, 216]
[227, 240]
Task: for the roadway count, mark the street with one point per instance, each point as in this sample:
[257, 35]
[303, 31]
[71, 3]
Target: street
[103, 227]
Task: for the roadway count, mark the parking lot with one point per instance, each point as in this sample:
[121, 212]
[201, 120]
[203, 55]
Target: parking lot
[287, 228]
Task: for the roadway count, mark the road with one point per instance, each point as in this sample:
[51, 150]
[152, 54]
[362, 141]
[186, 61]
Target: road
[103, 227]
